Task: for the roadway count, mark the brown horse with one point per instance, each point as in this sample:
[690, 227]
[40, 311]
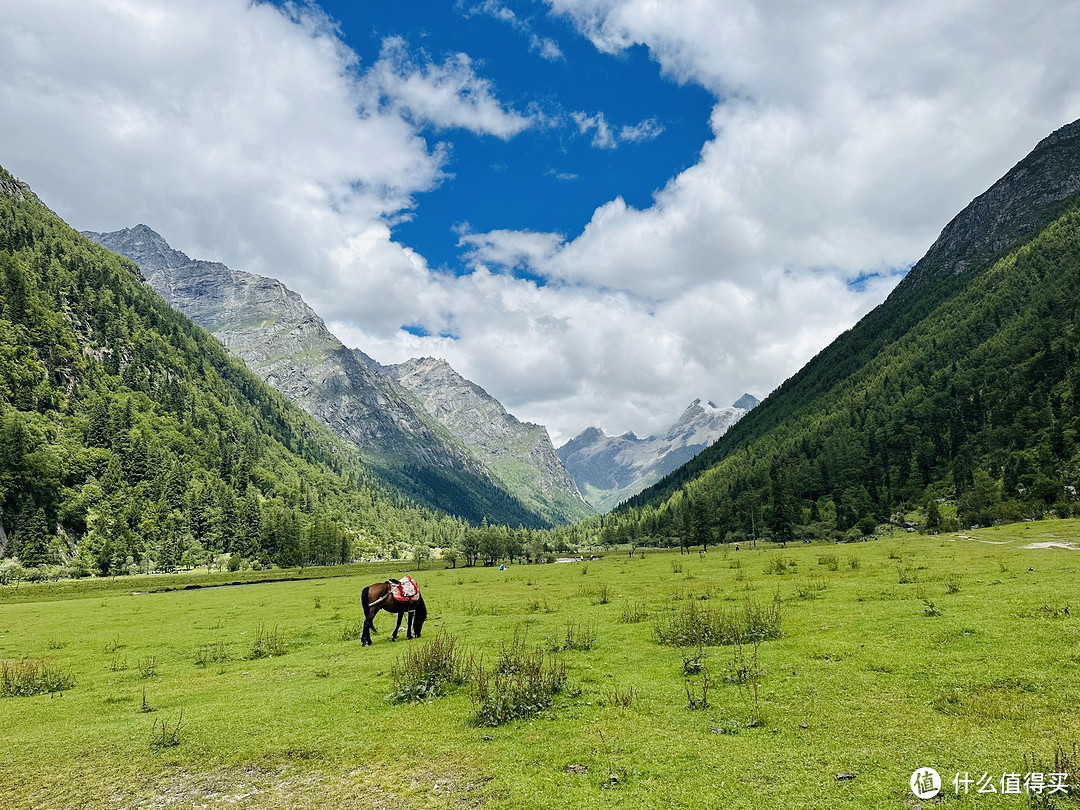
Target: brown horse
[378, 597]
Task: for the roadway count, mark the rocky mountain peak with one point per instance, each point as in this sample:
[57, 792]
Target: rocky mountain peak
[16, 189]
[143, 245]
[1007, 213]
[747, 402]
[519, 454]
[609, 469]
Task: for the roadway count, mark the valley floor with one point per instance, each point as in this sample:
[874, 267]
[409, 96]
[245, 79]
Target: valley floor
[958, 652]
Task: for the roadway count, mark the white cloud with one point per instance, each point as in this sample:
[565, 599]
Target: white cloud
[648, 130]
[509, 249]
[605, 137]
[546, 47]
[845, 136]
[442, 96]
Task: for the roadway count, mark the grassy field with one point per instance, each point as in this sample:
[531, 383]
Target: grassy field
[957, 652]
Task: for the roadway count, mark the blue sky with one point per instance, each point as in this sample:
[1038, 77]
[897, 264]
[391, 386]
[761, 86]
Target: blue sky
[551, 176]
[597, 210]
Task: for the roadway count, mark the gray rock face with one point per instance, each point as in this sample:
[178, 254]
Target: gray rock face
[518, 454]
[610, 469]
[1010, 210]
[283, 340]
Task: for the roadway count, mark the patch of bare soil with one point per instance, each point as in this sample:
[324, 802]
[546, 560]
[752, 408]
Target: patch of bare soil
[256, 788]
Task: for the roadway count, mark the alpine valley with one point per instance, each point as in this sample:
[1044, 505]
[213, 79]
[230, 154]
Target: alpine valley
[126, 427]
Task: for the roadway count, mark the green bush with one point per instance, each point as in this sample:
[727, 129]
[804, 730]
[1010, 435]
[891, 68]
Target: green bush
[692, 625]
[32, 677]
[428, 672]
[268, 643]
[522, 683]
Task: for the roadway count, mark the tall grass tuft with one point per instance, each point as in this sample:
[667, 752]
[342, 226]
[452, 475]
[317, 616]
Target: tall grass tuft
[268, 643]
[1066, 762]
[428, 672]
[32, 677]
[634, 612]
[212, 653]
[522, 683]
[692, 625]
[578, 636]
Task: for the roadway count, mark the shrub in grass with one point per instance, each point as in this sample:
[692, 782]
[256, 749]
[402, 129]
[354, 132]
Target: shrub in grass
[32, 677]
[166, 736]
[212, 653]
[701, 685]
[579, 636]
[811, 588]
[268, 643]
[830, 561]
[743, 669]
[522, 683]
[353, 630]
[907, 574]
[148, 666]
[693, 625]
[620, 699]
[428, 672]
[778, 565]
[634, 612]
[1066, 761]
[952, 583]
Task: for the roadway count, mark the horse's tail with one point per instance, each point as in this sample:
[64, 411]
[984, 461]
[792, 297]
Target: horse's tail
[421, 608]
[364, 601]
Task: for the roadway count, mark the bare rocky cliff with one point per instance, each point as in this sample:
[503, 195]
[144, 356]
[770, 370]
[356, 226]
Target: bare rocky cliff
[519, 454]
[1007, 213]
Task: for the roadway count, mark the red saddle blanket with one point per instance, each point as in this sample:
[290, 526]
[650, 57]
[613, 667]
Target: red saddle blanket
[404, 590]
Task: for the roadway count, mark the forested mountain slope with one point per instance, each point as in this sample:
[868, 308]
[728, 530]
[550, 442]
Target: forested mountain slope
[130, 439]
[279, 337]
[964, 384]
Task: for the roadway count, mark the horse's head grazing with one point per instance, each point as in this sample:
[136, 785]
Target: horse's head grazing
[419, 617]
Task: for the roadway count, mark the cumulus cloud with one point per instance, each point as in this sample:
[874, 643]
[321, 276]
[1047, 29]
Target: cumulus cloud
[509, 249]
[844, 136]
[444, 95]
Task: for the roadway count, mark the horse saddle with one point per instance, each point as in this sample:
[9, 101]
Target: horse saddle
[404, 590]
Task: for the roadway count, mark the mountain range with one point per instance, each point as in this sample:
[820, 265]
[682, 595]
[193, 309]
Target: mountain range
[129, 436]
[610, 469]
[442, 439]
[519, 454]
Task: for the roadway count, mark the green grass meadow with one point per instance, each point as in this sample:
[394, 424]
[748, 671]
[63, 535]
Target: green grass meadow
[957, 652]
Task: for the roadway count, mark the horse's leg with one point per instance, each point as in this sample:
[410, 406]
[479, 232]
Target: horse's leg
[408, 626]
[369, 625]
[400, 616]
